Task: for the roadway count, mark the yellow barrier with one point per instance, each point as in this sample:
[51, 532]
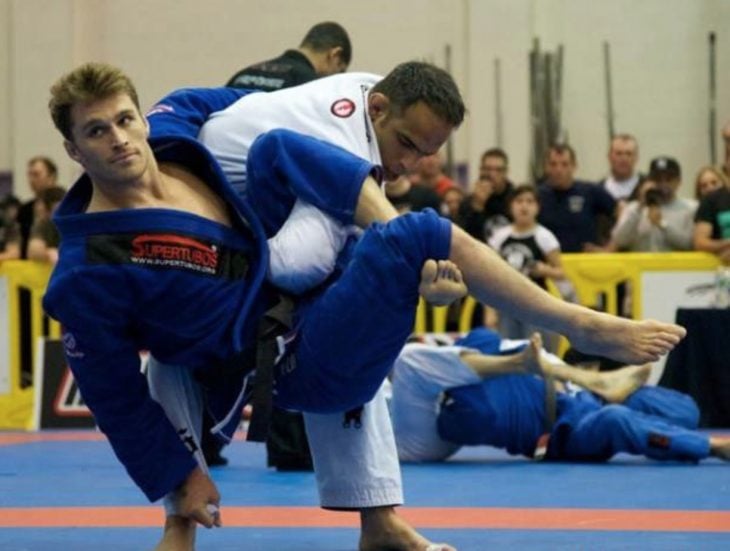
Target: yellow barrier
[16, 407]
[593, 275]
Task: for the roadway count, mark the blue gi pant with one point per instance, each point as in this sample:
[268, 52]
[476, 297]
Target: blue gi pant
[349, 335]
[655, 422]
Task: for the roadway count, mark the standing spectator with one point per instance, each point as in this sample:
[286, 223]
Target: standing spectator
[532, 250]
[429, 172]
[9, 229]
[658, 220]
[570, 208]
[708, 179]
[44, 236]
[42, 174]
[623, 178]
[712, 224]
[486, 208]
[324, 51]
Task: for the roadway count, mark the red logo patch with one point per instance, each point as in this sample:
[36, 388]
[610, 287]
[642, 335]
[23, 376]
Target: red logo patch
[174, 250]
[343, 108]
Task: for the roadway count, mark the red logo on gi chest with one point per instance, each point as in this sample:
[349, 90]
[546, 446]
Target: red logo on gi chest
[174, 250]
[343, 108]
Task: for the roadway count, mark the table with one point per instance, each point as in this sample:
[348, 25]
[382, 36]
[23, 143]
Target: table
[700, 364]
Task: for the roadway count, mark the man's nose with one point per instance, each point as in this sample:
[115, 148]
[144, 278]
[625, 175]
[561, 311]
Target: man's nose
[119, 137]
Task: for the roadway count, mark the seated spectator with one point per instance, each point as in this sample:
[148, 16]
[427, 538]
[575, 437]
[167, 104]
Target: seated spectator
[429, 172]
[44, 236]
[712, 224]
[658, 221]
[10, 241]
[532, 250]
[42, 173]
[571, 208]
[486, 208]
[709, 178]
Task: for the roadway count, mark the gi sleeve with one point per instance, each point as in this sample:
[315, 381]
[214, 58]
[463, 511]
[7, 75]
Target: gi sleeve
[183, 112]
[95, 310]
[283, 166]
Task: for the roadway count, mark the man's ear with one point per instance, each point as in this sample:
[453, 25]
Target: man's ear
[72, 151]
[378, 105]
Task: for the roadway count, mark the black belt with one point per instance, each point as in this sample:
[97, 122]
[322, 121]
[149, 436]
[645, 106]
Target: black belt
[276, 322]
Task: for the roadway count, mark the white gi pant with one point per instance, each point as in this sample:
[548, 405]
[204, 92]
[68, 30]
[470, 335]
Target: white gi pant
[355, 466]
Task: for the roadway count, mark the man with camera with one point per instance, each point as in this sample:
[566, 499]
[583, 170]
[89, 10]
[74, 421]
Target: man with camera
[658, 220]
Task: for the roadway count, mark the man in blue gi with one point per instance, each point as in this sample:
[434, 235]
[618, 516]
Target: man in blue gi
[159, 253]
[484, 390]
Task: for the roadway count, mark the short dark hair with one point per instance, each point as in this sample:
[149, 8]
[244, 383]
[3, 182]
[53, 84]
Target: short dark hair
[416, 81]
[561, 148]
[521, 190]
[495, 152]
[52, 195]
[328, 35]
[51, 167]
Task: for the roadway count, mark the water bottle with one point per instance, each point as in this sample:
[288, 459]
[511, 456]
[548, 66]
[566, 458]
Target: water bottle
[722, 287]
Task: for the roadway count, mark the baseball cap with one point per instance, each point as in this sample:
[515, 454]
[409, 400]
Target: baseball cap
[664, 166]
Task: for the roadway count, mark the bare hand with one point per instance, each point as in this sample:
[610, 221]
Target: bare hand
[654, 213]
[198, 499]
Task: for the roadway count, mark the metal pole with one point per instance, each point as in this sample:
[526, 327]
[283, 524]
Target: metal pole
[498, 102]
[450, 141]
[713, 100]
[609, 90]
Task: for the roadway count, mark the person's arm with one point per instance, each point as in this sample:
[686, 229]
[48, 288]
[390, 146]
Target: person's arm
[94, 309]
[703, 240]
[12, 244]
[625, 231]
[679, 232]
[184, 111]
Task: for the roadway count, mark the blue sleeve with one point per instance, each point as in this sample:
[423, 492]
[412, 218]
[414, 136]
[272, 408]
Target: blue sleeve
[184, 111]
[283, 166]
[105, 362]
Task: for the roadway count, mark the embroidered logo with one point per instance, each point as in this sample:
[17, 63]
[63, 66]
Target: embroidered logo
[174, 250]
[69, 345]
[160, 108]
[343, 108]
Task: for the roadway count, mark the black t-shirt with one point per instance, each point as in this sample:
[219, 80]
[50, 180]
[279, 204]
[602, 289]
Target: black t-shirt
[289, 69]
[715, 209]
[416, 199]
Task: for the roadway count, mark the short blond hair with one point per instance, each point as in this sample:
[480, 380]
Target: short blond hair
[91, 81]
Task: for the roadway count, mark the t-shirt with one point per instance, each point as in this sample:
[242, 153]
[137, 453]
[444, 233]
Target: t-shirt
[289, 69]
[715, 209]
[522, 250]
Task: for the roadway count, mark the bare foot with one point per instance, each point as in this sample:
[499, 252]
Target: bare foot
[628, 341]
[720, 447]
[179, 534]
[383, 529]
[531, 357]
[616, 386]
[441, 282]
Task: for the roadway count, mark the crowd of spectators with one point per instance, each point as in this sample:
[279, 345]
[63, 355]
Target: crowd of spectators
[531, 224]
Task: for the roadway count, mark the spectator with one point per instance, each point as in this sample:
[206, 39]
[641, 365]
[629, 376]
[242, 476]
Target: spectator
[408, 196]
[44, 236]
[429, 172]
[9, 229]
[712, 224]
[42, 174]
[486, 209]
[451, 205]
[570, 208]
[708, 179]
[324, 51]
[658, 220]
[532, 250]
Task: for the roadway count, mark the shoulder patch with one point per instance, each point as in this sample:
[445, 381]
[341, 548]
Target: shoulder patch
[343, 108]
